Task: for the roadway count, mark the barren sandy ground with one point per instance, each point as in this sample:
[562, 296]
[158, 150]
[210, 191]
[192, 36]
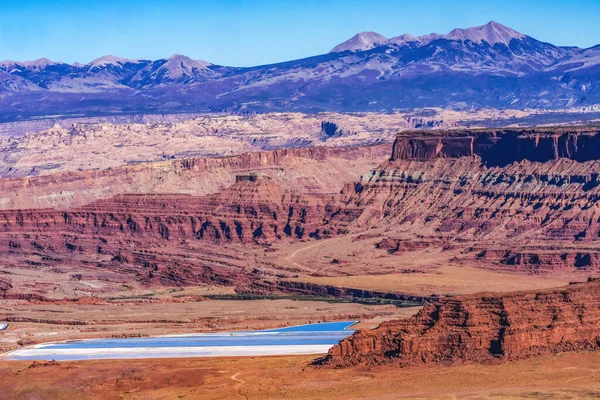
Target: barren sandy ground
[565, 376]
[76, 145]
[450, 280]
[353, 261]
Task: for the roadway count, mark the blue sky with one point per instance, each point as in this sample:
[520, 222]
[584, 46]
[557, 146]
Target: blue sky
[245, 33]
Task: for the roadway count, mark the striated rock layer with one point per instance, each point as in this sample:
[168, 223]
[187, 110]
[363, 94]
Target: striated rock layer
[525, 199]
[312, 169]
[464, 198]
[167, 239]
[482, 328]
[527, 215]
[502, 146]
[252, 209]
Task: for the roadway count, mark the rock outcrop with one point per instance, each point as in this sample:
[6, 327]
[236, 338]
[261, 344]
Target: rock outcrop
[482, 328]
[253, 209]
[78, 146]
[540, 259]
[146, 236]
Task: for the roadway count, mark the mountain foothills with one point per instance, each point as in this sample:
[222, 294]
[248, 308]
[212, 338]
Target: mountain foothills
[486, 66]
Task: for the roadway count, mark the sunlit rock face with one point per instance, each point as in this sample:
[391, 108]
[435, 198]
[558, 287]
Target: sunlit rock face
[482, 328]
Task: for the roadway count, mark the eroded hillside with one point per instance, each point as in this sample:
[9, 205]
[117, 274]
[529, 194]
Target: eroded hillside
[445, 200]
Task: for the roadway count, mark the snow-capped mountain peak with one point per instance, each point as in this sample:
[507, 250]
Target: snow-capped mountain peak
[35, 64]
[405, 39]
[361, 41]
[109, 60]
[185, 61]
[39, 63]
[4, 65]
[491, 33]
[367, 72]
[179, 65]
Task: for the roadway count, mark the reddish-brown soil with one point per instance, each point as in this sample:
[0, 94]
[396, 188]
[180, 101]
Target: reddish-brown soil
[565, 376]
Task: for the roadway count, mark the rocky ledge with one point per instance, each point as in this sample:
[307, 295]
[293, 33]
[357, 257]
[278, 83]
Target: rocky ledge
[482, 328]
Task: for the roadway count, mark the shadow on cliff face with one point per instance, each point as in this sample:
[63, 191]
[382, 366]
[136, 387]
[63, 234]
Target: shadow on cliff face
[515, 146]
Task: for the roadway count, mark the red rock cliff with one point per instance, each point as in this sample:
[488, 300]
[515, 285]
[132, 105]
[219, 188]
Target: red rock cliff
[524, 199]
[501, 147]
[482, 328]
[309, 169]
[252, 209]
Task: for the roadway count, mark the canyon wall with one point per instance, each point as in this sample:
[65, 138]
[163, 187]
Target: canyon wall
[464, 199]
[251, 210]
[482, 328]
[527, 216]
[167, 239]
[503, 146]
[515, 199]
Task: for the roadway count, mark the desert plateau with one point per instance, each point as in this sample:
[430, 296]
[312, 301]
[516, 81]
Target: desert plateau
[391, 217]
[405, 244]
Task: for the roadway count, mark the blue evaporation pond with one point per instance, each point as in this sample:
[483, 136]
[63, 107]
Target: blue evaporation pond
[327, 333]
[322, 327]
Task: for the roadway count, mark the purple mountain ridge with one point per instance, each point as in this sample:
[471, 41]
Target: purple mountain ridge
[485, 66]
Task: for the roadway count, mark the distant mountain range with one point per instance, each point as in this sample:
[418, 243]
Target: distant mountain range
[486, 66]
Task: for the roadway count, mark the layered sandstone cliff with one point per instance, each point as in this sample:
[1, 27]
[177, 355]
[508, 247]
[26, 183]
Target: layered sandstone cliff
[482, 328]
[528, 216]
[502, 146]
[253, 209]
[464, 198]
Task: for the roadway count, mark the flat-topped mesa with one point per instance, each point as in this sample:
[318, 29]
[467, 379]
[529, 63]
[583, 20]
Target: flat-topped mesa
[500, 147]
[482, 328]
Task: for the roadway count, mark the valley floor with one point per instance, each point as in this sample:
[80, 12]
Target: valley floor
[354, 261]
[32, 323]
[564, 376]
